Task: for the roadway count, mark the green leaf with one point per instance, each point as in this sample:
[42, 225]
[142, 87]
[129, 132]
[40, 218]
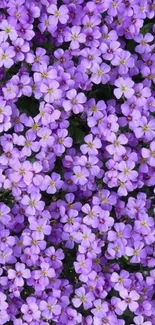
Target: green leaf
[131, 46]
[28, 105]
[76, 133]
[146, 28]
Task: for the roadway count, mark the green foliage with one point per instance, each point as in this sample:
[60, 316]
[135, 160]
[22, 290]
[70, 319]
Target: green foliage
[28, 105]
[77, 130]
[146, 28]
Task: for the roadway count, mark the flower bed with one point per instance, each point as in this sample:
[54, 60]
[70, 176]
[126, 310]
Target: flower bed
[77, 163]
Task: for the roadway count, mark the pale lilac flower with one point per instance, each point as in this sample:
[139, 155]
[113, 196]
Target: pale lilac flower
[7, 30]
[109, 50]
[145, 128]
[82, 297]
[18, 274]
[40, 228]
[121, 280]
[139, 320]
[58, 14]
[21, 47]
[6, 55]
[30, 310]
[80, 175]
[50, 308]
[124, 87]
[129, 300]
[74, 101]
[100, 73]
[91, 146]
[117, 146]
[22, 171]
[51, 91]
[45, 274]
[62, 141]
[123, 60]
[51, 184]
[4, 213]
[75, 37]
[126, 171]
[5, 110]
[33, 203]
[143, 47]
[149, 154]
[137, 253]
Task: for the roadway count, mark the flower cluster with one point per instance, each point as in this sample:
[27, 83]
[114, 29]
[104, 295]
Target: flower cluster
[77, 162]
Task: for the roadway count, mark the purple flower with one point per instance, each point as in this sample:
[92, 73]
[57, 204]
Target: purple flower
[23, 85]
[126, 171]
[22, 171]
[6, 55]
[74, 101]
[137, 252]
[70, 317]
[83, 298]
[149, 154]
[92, 214]
[75, 37]
[143, 47]
[4, 213]
[124, 87]
[58, 14]
[62, 141]
[33, 203]
[40, 228]
[51, 91]
[82, 265]
[117, 144]
[109, 50]
[7, 30]
[5, 110]
[123, 60]
[44, 275]
[80, 175]
[100, 73]
[21, 47]
[37, 60]
[54, 257]
[50, 308]
[3, 302]
[46, 139]
[101, 308]
[51, 184]
[129, 300]
[30, 310]
[141, 94]
[121, 281]
[139, 320]
[91, 145]
[18, 274]
[145, 128]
